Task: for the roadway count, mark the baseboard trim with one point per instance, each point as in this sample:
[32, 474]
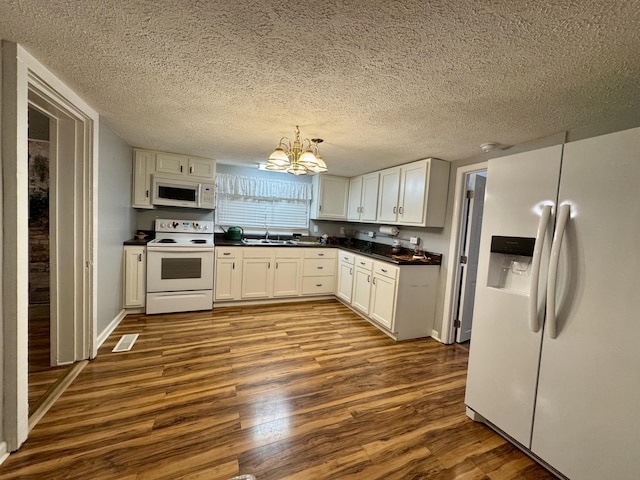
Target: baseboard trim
[268, 301]
[436, 335]
[110, 328]
[3, 452]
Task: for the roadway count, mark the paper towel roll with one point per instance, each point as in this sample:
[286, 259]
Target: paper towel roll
[389, 230]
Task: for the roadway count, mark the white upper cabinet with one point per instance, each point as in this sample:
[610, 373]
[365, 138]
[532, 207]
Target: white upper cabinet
[144, 163]
[414, 194]
[185, 166]
[148, 162]
[363, 198]
[330, 197]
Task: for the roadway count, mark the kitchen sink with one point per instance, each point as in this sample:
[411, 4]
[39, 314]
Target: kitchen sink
[265, 241]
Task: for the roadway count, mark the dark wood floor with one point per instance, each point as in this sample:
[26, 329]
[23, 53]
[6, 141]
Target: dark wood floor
[282, 392]
[42, 376]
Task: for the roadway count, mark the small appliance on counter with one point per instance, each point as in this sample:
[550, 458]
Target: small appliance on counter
[180, 266]
[233, 233]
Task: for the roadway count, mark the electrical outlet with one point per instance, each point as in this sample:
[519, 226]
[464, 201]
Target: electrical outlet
[414, 240]
[341, 230]
[315, 229]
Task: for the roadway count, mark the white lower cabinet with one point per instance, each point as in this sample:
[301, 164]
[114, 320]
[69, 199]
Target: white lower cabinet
[259, 273]
[362, 284]
[383, 295]
[228, 273]
[288, 272]
[344, 284]
[400, 300]
[319, 271]
[134, 284]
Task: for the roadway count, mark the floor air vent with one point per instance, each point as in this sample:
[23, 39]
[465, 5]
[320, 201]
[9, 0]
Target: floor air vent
[125, 343]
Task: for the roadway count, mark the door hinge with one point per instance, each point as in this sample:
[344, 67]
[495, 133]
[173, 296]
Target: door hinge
[463, 259]
[469, 193]
[457, 323]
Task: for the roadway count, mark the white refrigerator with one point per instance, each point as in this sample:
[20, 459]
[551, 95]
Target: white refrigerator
[555, 351]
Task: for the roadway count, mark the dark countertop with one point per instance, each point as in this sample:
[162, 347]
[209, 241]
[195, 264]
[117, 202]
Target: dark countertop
[135, 241]
[373, 250]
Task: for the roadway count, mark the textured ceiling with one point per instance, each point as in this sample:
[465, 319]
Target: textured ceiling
[382, 82]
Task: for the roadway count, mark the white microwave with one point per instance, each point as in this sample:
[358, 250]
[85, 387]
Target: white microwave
[182, 193]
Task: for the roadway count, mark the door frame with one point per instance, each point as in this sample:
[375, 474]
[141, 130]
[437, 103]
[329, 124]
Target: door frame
[23, 77]
[447, 333]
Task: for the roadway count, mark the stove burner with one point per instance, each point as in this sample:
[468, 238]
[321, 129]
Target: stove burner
[198, 240]
[167, 240]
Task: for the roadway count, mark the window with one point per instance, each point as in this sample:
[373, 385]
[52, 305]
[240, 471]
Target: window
[255, 202]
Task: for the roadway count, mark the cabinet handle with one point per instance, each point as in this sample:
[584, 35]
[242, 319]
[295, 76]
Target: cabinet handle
[276, 265]
[147, 193]
[321, 254]
[268, 265]
[351, 271]
[400, 210]
[374, 280]
[319, 268]
[368, 278]
[190, 169]
[319, 208]
[394, 209]
[233, 265]
[139, 257]
[226, 253]
[383, 270]
[180, 168]
[361, 263]
[318, 284]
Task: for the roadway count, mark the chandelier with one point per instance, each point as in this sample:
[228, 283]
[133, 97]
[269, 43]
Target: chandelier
[301, 158]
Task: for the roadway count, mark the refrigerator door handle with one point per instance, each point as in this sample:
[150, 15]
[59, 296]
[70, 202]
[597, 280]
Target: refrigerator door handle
[563, 217]
[534, 324]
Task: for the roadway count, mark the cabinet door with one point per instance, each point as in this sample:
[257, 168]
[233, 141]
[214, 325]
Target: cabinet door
[388, 198]
[361, 290]
[143, 167]
[331, 196]
[286, 278]
[227, 283]
[413, 182]
[202, 168]
[383, 300]
[369, 201]
[134, 280]
[345, 281]
[171, 163]
[355, 199]
[257, 278]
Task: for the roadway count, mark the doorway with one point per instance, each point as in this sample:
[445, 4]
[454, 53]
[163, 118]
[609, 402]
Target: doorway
[43, 376]
[73, 151]
[463, 254]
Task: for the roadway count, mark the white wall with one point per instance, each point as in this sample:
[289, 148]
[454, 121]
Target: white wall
[116, 221]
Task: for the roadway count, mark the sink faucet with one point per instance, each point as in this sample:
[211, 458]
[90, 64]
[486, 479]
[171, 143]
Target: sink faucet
[266, 232]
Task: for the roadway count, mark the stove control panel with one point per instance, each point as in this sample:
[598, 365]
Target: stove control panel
[186, 226]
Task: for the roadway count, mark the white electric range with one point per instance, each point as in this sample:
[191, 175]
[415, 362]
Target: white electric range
[180, 266]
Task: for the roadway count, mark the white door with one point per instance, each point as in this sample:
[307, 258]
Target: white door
[383, 300]
[413, 183]
[469, 270]
[345, 281]
[286, 277]
[361, 290]
[369, 203]
[504, 350]
[257, 278]
[227, 276]
[587, 422]
[388, 200]
[355, 197]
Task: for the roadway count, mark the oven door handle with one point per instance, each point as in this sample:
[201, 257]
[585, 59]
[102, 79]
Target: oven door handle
[176, 249]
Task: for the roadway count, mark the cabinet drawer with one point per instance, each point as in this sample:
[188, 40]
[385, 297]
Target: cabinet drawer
[319, 267]
[385, 269]
[364, 262]
[228, 252]
[317, 285]
[346, 257]
[288, 252]
[320, 253]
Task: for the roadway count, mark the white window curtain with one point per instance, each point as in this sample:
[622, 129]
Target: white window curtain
[256, 202]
